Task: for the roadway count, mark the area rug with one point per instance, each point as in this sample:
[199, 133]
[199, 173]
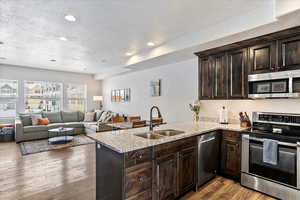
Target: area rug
[38, 146]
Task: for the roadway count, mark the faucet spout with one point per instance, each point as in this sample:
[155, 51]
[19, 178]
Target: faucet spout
[152, 125]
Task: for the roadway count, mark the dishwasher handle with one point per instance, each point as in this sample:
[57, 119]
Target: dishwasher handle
[208, 140]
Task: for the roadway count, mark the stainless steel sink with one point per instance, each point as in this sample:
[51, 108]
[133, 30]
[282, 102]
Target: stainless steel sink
[169, 132]
[149, 135]
[159, 134]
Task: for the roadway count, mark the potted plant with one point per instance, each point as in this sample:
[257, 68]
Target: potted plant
[195, 108]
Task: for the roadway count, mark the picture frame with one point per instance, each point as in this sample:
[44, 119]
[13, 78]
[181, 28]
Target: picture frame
[155, 88]
[113, 95]
[120, 95]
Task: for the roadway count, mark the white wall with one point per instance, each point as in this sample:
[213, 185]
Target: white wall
[284, 7]
[179, 87]
[24, 73]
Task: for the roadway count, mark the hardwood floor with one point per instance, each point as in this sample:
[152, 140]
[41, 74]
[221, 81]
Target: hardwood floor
[224, 189]
[54, 175]
[69, 174]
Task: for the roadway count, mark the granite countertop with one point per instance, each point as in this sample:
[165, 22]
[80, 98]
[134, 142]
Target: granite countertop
[123, 141]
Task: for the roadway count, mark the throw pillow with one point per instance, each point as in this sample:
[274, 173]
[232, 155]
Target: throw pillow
[108, 117]
[102, 117]
[26, 120]
[98, 114]
[43, 121]
[34, 119]
[89, 117]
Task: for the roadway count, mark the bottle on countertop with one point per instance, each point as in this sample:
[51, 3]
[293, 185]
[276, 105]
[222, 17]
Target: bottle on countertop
[223, 117]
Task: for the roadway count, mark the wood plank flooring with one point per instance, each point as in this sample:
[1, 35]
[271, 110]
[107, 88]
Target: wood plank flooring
[69, 174]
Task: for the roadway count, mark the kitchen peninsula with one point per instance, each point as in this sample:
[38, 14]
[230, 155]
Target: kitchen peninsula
[133, 167]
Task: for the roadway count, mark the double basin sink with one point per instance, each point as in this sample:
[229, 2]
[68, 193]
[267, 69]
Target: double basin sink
[159, 134]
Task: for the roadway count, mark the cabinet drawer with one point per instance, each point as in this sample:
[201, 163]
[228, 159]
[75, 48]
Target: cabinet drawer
[173, 147]
[146, 195]
[138, 156]
[138, 179]
[232, 135]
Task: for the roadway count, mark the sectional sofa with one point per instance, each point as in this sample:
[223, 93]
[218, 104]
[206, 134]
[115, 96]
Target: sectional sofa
[24, 130]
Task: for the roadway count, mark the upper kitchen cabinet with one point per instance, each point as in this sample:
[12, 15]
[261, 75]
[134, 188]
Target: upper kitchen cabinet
[289, 53]
[262, 58]
[220, 75]
[223, 71]
[237, 63]
[205, 78]
[213, 77]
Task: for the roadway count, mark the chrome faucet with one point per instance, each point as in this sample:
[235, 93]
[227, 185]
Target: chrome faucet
[152, 125]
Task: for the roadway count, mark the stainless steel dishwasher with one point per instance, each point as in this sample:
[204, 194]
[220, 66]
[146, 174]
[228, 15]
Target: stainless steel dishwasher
[208, 157]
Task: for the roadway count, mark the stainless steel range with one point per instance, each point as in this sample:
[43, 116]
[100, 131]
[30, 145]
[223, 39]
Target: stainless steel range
[282, 179]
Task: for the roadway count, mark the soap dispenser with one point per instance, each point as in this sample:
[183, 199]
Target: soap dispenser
[223, 117]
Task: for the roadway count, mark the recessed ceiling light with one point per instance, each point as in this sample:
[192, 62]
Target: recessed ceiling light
[53, 60]
[63, 38]
[103, 60]
[129, 54]
[84, 68]
[150, 44]
[70, 18]
[1, 42]
[2, 58]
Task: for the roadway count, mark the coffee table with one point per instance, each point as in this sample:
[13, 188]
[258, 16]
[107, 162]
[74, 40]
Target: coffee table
[61, 137]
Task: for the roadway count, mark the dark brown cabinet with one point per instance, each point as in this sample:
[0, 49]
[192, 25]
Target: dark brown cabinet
[138, 179]
[289, 53]
[220, 75]
[237, 63]
[231, 154]
[206, 78]
[262, 58]
[223, 71]
[187, 169]
[213, 77]
[175, 165]
[166, 177]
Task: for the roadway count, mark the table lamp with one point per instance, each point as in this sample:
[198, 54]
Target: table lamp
[98, 98]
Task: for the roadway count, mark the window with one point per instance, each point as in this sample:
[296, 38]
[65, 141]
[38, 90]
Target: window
[76, 97]
[8, 98]
[42, 96]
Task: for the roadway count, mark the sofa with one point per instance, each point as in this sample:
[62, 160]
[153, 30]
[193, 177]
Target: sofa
[24, 130]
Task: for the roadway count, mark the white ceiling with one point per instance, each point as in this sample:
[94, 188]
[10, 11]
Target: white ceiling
[106, 29]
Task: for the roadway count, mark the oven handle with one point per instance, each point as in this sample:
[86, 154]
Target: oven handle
[280, 143]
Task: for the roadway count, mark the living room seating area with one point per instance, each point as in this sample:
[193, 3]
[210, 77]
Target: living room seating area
[27, 129]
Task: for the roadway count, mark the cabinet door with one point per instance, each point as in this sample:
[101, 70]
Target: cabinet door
[187, 169]
[205, 78]
[166, 177]
[237, 74]
[220, 76]
[231, 158]
[262, 58]
[289, 53]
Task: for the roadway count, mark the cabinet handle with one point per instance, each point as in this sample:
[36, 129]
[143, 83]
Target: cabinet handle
[139, 156]
[140, 179]
[157, 180]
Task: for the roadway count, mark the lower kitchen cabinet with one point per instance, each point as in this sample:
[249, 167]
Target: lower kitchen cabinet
[187, 170]
[138, 179]
[162, 172]
[166, 177]
[175, 168]
[231, 154]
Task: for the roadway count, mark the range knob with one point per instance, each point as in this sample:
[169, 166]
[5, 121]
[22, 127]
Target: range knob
[287, 119]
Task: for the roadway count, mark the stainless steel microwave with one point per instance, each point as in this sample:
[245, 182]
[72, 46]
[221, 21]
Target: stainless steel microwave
[284, 84]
